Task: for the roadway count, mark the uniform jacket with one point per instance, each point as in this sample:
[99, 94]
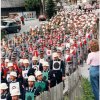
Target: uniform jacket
[34, 90]
[62, 67]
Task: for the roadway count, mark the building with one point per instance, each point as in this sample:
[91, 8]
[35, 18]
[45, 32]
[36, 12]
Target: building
[9, 6]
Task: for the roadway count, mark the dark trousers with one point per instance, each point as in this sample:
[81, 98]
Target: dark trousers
[23, 22]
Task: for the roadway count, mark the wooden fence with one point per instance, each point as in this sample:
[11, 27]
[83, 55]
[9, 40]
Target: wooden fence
[72, 92]
[55, 93]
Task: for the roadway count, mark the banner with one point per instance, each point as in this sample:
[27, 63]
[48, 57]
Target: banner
[56, 65]
[14, 86]
[24, 74]
[29, 15]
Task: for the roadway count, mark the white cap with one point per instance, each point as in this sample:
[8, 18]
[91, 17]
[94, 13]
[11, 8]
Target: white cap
[37, 73]
[26, 61]
[3, 86]
[10, 64]
[15, 92]
[31, 78]
[13, 74]
[34, 58]
[55, 54]
[45, 63]
[6, 60]
[21, 60]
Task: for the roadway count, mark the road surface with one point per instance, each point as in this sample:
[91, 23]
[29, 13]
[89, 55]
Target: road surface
[26, 27]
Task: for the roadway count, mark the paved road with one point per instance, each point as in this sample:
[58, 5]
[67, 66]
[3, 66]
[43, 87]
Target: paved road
[26, 27]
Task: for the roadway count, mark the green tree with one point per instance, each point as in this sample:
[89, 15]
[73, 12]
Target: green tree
[50, 8]
[36, 4]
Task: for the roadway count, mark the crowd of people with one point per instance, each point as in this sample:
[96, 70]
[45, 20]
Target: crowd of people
[36, 61]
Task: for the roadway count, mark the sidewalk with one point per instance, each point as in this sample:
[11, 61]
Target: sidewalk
[84, 71]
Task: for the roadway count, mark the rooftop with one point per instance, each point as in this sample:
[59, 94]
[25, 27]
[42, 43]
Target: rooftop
[12, 3]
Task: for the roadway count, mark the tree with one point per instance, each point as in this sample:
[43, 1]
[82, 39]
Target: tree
[36, 4]
[50, 8]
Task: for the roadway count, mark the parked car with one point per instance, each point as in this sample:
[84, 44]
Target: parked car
[10, 26]
[9, 19]
[42, 18]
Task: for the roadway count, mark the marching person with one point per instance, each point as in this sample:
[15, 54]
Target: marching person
[15, 83]
[4, 68]
[15, 94]
[31, 90]
[35, 64]
[68, 61]
[10, 69]
[2, 61]
[93, 61]
[73, 54]
[45, 71]
[25, 70]
[4, 93]
[58, 67]
[49, 52]
[42, 58]
[35, 51]
[60, 54]
[42, 85]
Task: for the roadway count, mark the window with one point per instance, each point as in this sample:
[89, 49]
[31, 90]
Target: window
[12, 24]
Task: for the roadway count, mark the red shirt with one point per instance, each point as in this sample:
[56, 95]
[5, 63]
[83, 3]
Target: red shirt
[16, 67]
[30, 49]
[35, 53]
[4, 69]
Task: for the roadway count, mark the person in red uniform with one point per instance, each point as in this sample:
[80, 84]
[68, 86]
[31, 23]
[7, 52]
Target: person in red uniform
[30, 49]
[2, 61]
[3, 67]
[15, 64]
[35, 51]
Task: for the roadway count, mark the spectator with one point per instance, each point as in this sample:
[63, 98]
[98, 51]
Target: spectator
[93, 61]
[22, 19]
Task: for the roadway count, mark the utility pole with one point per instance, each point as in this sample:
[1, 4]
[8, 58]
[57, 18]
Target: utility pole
[43, 4]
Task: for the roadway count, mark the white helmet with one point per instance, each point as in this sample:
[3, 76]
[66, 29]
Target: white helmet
[55, 54]
[15, 92]
[6, 60]
[13, 74]
[34, 58]
[45, 63]
[26, 61]
[3, 86]
[37, 73]
[31, 78]
[10, 64]
[21, 61]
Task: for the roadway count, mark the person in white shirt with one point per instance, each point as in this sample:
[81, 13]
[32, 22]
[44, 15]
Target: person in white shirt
[93, 61]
